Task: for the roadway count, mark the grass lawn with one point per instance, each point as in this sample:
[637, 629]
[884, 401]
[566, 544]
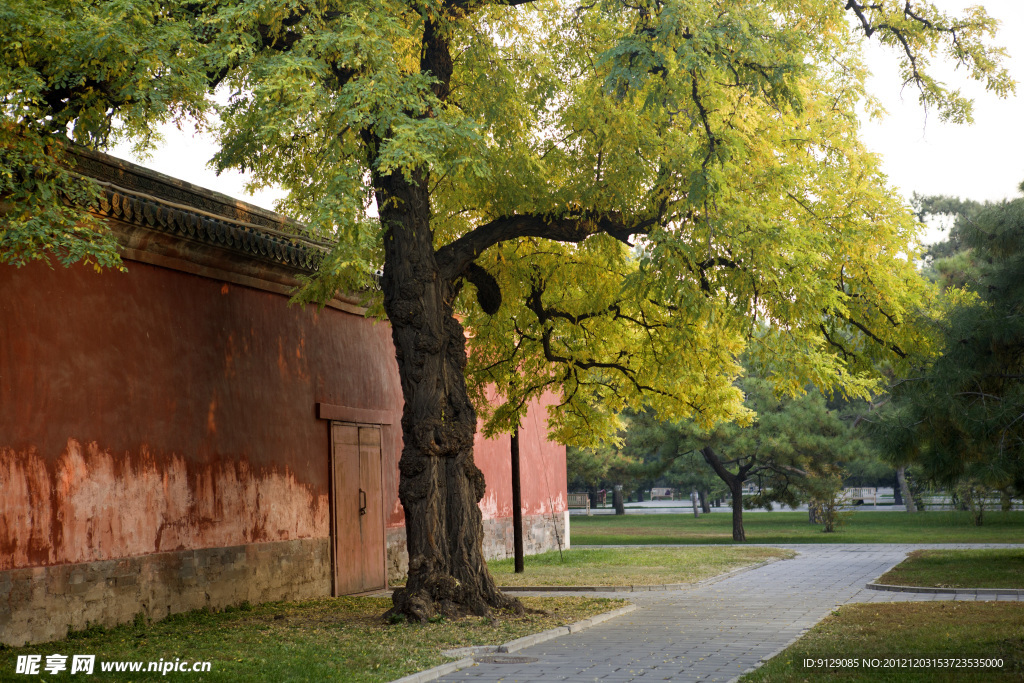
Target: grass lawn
[319, 640]
[792, 527]
[628, 566]
[995, 568]
[906, 630]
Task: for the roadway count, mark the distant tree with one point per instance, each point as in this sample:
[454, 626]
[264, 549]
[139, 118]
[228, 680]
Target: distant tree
[955, 213]
[824, 488]
[789, 446]
[664, 457]
[869, 470]
[961, 418]
[690, 473]
[600, 467]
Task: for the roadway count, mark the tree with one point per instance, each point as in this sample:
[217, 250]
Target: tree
[691, 473]
[590, 468]
[961, 417]
[629, 191]
[665, 456]
[944, 208]
[826, 496]
[792, 449]
[870, 470]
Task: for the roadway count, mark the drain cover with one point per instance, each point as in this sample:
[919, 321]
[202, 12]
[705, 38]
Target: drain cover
[504, 659]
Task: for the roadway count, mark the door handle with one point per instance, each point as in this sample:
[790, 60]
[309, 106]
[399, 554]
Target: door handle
[362, 502]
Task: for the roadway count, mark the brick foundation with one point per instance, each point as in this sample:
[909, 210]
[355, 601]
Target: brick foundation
[40, 604]
[539, 536]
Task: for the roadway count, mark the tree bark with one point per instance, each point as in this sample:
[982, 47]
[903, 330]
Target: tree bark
[705, 504]
[908, 499]
[735, 484]
[439, 486]
[738, 533]
[620, 508]
[812, 512]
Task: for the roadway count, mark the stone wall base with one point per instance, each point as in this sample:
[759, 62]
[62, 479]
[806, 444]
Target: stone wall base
[40, 604]
[541, 533]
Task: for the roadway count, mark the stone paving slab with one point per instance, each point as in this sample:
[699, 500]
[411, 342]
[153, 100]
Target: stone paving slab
[720, 630]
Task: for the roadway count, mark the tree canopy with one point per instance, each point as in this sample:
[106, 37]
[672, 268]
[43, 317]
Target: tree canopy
[616, 198]
[962, 416]
[788, 451]
[589, 468]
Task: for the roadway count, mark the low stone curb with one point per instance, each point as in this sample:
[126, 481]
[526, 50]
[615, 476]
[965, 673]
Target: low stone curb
[537, 638]
[955, 591]
[595, 589]
[513, 646]
[436, 672]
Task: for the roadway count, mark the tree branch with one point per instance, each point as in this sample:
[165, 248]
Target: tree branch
[454, 257]
[712, 459]
[881, 342]
[546, 314]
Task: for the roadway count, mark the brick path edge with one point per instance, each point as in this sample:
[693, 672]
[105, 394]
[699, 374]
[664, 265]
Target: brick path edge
[956, 591]
[514, 645]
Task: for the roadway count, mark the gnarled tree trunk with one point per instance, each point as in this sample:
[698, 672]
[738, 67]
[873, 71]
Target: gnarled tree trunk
[439, 485]
[735, 484]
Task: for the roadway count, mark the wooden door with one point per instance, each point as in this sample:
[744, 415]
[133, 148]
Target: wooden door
[358, 508]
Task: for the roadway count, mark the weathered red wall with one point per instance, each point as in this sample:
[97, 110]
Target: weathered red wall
[156, 410]
[542, 473]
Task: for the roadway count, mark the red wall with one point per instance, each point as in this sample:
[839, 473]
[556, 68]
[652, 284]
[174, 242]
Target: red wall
[156, 410]
[543, 478]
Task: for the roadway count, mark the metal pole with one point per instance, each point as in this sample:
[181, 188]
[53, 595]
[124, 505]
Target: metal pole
[517, 505]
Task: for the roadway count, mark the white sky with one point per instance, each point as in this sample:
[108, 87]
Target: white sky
[983, 161]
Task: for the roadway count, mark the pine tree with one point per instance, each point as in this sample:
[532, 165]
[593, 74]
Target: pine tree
[961, 418]
[792, 450]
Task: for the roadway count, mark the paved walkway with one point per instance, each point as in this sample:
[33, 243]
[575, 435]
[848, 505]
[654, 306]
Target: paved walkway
[716, 631]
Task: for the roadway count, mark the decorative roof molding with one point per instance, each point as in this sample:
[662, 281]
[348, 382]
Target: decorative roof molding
[167, 222]
[147, 199]
[250, 240]
[141, 180]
